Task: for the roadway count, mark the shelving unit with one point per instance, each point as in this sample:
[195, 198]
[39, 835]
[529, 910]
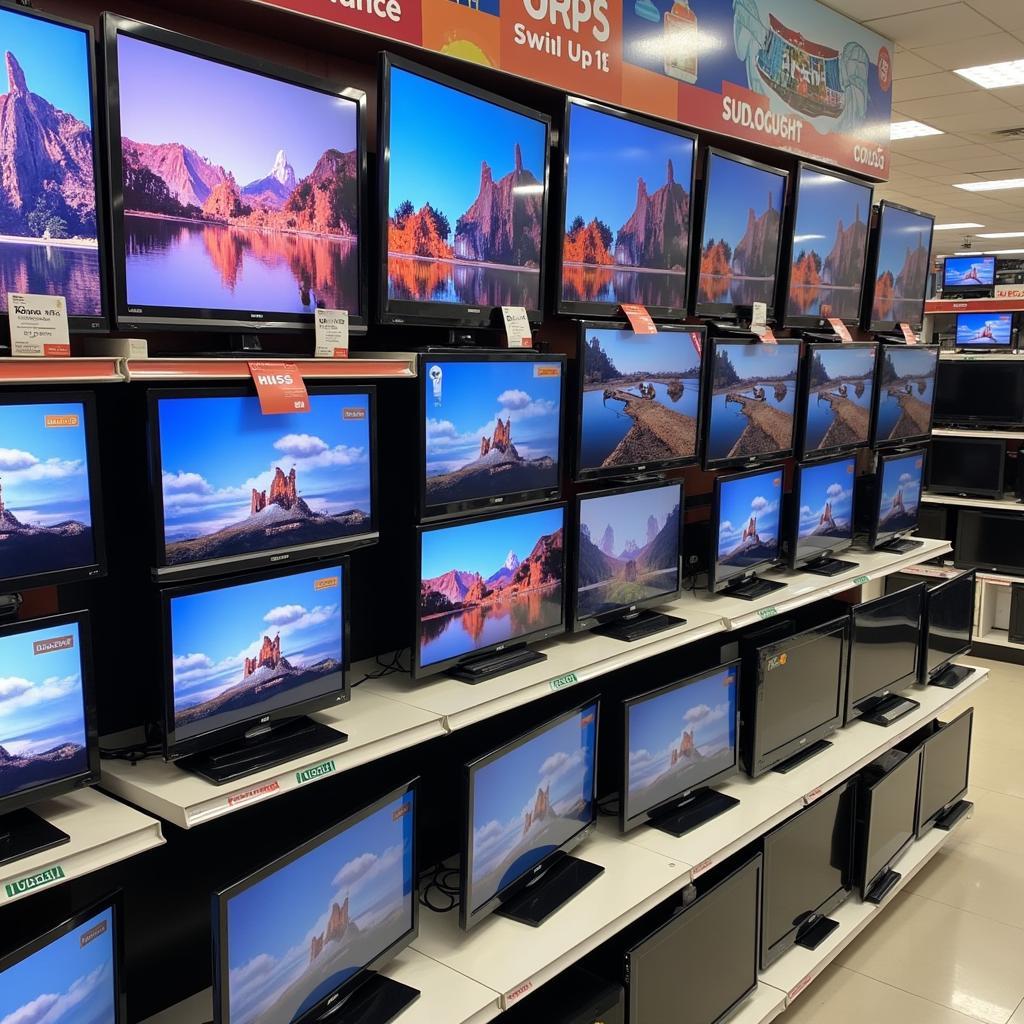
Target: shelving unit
[91, 370]
[1009, 435]
[1007, 503]
[380, 365]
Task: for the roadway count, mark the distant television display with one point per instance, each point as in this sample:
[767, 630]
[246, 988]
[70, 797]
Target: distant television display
[748, 522]
[901, 270]
[968, 271]
[984, 330]
[825, 505]
[900, 493]
[840, 393]
[906, 392]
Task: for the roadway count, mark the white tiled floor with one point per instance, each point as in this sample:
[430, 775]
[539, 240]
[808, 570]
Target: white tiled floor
[950, 949]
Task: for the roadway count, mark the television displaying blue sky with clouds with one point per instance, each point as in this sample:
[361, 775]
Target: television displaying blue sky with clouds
[734, 190]
[627, 514]
[741, 498]
[913, 361]
[822, 202]
[901, 231]
[65, 982]
[904, 473]
[214, 451]
[759, 361]
[669, 351]
[970, 328]
[826, 482]
[955, 271]
[272, 924]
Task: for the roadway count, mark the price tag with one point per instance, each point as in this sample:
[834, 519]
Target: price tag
[331, 333]
[908, 335]
[639, 318]
[759, 317]
[697, 339]
[280, 388]
[39, 326]
[517, 327]
[766, 334]
[841, 329]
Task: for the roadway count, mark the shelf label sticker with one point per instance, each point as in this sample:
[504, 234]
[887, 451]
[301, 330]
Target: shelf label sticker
[767, 613]
[23, 885]
[813, 795]
[841, 329]
[517, 993]
[39, 326]
[317, 771]
[253, 792]
[517, 326]
[639, 319]
[908, 334]
[331, 333]
[703, 867]
[859, 581]
[800, 986]
[280, 388]
[561, 682]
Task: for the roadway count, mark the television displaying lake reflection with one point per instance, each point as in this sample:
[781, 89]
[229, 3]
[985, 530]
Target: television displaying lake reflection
[416, 279]
[63, 268]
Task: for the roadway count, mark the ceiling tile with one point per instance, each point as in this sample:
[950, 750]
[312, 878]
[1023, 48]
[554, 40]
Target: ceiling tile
[862, 10]
[946, 24]
[945, 83]
[1010, 117]
[1008, 14]
[910, 65]
[968, 52]
[963, 103]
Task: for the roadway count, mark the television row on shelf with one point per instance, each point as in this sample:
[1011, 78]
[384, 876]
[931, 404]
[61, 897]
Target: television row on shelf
[254, 212]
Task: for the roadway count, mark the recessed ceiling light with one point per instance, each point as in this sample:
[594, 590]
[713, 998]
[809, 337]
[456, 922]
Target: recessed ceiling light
[991, 186]
[911, 130]
[1002, 234]
[995, 76]
[957, 227]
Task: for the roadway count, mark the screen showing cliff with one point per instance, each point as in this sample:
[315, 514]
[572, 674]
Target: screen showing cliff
[294, 938]
[900, 494]
[984, 330]
[968, 271]
[72, 978]
[236, 482]
[748, 523]
[626, 236]
[679, 738]
[486, 582]
[906, 392]
[42, 708]
[826, 277]
[241, 651]
[241, 191]
[493, 429]
[739, 254]
[45, 504]
[901, 274]
[839, 396]
[641, 398]
[824, 503]
[629, 547]
[529, 801]
[465, 191]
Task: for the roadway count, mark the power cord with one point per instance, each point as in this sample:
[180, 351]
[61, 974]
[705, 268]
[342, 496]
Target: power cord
[386, 668]
[609, 806]
[133, 753]
[439, 879]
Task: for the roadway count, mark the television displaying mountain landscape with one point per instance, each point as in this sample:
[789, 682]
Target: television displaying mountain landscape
[826, 276]
[748, 522]
[240, 190]
[297, 935]
[824, 502]
[488, 581]
[626, 235]
[900, 493]
[49, 243]
[984, 330]
[901, 271]
[641, 398]
[906, 392]
[465, 183]
[739, 253]
[839, 394]
[236, 482]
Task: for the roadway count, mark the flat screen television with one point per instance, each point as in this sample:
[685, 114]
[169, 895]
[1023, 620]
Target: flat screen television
[949, 627]
[54, 208]
[242, 663]
[463, 200]
[808, 873]
[314, 926]
[899, 263]
[829, 251]
[50, 494]
[984, 331]
[967, 466]
[527, 804]
[749, 402]
[898, 498]
[822, 516]
[945, 770]
[639, 399]
[493, 583]
[626, 214]
[741, 234]
[491, 430]
[982, 393]
[243, 214]
[837, 396]
[968, 273]
[235, 489]
[989, 541]
[679, 740]
[907, 391]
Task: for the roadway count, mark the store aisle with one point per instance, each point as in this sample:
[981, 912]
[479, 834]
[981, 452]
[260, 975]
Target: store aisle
[951, 948]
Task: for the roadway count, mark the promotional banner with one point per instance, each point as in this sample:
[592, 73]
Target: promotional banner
[789, 74]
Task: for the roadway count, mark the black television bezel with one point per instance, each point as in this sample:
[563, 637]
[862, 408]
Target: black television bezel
[580, 625]
[90, 720]
[1010, 346]
[961, 578]
[470, 917]
[900, 442]
[715, 309]
[585, 474]
[219, 909]
[716, 584]
[569, 307]
[815, 322]
[205, 568]
[966, 515]
[174, 748]
[707, 397]
[924, 826]
[875, 536]
[421, 671]
[430, 513]
[797, 559]
[134, 317]
[974, 289]
[804, 398]
[98, 567]
[446, 314]
[1008, 363]
[630, 821]
[995, 443]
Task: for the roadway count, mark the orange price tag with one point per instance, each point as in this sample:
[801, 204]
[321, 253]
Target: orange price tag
[639, 318]
[698, 342]
[280, 388]
[908, 335]
[840, 328]
[766, 334]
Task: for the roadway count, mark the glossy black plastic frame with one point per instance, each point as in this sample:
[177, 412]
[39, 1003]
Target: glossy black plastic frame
[966, 578]
[884, 326]
[877, 536]
[798, 558]
[925, 825]
[910, 439]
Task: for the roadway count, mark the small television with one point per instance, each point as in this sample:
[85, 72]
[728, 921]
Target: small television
[899, 263]
[949, 628]
[639, 399]
[50, 495]
[885, 644]
[463, 200]
[679, 740]
[989, 541]
[492, 583]
[741, 235]
[898, 500]
[836, 398]
[972, 466]
[48, 726]
[828, 259]
[491, 430]
[993, 331]
[244, 214]
[307, 934]
[808, 874]
[243, 663]
[906, 391]
[628, 558]
[822, 515]
[54, 207]
[234, 489]
[746, 525]
[945, 770]
[527, 804]
[626, 215]
[968, 275]
[980, 393]
[749, 402]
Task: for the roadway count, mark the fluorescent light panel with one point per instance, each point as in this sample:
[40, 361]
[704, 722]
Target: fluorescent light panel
[911, 130]
[989, 252]
[1002, 234]
[959, 227]
[995, 76]
[991, 186]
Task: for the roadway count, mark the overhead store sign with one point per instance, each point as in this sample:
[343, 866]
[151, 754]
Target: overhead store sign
[790, 74]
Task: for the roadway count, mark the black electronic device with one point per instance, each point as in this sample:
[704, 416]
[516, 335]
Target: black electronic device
[967, 466]
[898, 262]
[968, 276]
[822, 516]
[896, 501]
[980, 393]
[836, 398]
[948, 630]
[945, 771]
[904, 394]
[1015, 628]
[989, 541]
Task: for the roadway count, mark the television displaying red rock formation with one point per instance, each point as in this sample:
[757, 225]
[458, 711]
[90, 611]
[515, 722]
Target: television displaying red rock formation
[283, 492]
[540, 811]
[656, 233]
[269, 656]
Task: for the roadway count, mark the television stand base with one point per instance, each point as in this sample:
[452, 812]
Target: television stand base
[951, 677]
[813, 936]
[901, 547]
[947, 821]
[552, 890]
[638, 626]
[882, 887]
[804, 755]
[888, 710]
[701, 807]
[828, 567]
[377, 1000]
[477, 670]
[752, 589]
[24, 833]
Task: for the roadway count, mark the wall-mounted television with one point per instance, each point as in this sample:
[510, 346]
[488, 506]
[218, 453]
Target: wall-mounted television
[984, 331]
[907, 392]
[900, 259]
[968, 274]
[837, 395]
[967, 466]
[899, 480]
[982, 393]
[822, 515]
[949, 629]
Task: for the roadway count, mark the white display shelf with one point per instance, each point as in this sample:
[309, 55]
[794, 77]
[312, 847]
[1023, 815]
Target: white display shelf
[90, 370]
[1010, 435]
[374, 365]
[1008, 503]
[763, 1005]
[102, 831]
[998, 638]
[974, 357]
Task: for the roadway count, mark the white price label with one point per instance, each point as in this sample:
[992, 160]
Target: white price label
[331, 333]
[39, 326]
[517, 326]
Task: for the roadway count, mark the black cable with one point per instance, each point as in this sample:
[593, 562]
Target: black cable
[133, 753]
[386, 668]
[438, 880]
[609, 807]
